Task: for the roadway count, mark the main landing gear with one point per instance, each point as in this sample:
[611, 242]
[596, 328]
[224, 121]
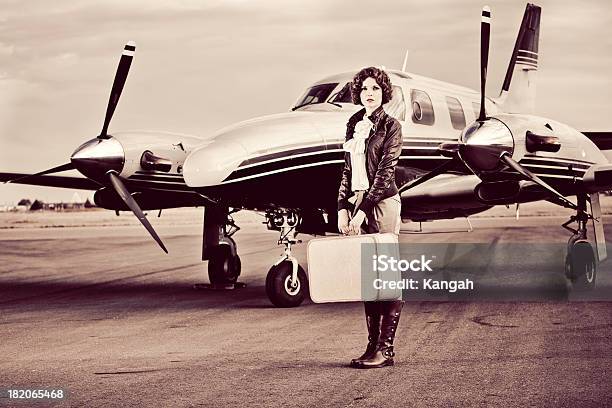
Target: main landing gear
[581, 261]
[219, 248]
[286, 282]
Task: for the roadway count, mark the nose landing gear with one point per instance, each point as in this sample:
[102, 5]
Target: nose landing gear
[286, 282]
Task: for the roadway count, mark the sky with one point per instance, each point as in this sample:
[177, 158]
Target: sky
[202, 65]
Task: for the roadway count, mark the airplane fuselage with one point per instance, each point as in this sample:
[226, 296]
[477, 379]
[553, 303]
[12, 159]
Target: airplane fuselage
[294, 159]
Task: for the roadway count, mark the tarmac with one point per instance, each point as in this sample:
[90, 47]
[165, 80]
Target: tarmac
[102, 313]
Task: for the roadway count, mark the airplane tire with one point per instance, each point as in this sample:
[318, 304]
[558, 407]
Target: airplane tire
[581, 266]
[223, 268]
[279, 288]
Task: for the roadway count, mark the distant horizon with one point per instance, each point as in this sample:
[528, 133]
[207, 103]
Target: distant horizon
[51, 200]
[201, 67]
[32, 200]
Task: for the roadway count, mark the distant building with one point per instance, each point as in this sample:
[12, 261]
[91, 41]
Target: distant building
[63, 206]
[75, 204]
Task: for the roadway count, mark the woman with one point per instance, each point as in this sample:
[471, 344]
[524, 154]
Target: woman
[368, 199]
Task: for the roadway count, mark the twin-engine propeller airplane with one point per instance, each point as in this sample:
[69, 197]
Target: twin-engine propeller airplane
[289, 164]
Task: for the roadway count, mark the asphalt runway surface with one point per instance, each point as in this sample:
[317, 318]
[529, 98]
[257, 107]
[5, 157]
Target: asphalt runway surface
[102, 313]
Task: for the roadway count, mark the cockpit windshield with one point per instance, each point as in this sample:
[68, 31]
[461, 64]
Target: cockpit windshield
[344, 96]
[322, 93]
[316, 94]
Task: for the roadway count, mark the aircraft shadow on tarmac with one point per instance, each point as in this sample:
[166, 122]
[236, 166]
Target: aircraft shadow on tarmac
[132, 296]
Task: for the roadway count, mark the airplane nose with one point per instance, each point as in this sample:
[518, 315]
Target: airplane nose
[210, 164]
[96, 157]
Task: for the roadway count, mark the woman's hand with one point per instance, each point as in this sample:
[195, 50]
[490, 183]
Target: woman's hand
[343, 221]
[355, 224]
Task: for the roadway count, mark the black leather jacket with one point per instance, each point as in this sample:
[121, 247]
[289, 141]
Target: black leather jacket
[383, 149]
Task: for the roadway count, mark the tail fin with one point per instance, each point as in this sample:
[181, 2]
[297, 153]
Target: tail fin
[519, 88]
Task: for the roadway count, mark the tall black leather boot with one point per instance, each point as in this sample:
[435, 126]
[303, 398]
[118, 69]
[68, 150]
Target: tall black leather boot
[372, 314]
[383, 355]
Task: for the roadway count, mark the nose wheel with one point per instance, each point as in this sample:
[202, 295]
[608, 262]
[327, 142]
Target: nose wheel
[286, 281]
[282, 288]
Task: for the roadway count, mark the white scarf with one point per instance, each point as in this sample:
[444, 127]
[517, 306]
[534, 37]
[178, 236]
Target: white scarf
[356, 147]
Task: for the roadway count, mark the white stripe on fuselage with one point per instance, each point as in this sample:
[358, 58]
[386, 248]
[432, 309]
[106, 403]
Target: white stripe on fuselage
[287, 157]
[284, 169]
[277, 159]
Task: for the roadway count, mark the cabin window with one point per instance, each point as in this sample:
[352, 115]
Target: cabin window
[315, 94]
[457, 116]
[422, 108]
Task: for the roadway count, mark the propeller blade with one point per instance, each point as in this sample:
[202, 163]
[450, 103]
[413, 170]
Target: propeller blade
[529, 175]
[485, 34]
[63, 167]
[438, 170]
[130, 202]
[122, 72]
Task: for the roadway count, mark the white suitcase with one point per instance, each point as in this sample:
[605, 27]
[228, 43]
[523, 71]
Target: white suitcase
[341, 269]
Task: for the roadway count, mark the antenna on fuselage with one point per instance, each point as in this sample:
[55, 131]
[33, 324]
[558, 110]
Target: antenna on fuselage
[405, 61]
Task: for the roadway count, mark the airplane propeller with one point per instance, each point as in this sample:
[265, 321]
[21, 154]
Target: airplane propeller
[118, 83]
[473, 149]
[454, 149]
[127, 198]
[120, 77]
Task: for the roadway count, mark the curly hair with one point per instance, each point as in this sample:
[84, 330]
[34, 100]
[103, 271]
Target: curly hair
[381, 78]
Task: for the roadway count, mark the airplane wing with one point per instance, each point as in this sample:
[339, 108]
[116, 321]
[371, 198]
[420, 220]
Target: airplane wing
[79, 183]
[442, 197]
[454, 195]
[598, 178]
